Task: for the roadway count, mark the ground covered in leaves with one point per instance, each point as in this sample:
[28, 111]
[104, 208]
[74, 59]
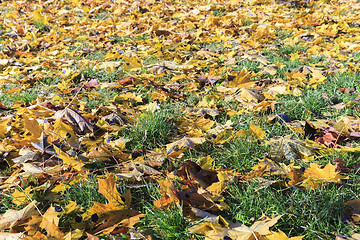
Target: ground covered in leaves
[164, 119]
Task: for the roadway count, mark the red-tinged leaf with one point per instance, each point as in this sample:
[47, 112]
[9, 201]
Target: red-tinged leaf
[328, 139]
[127, 80]
[169, 194]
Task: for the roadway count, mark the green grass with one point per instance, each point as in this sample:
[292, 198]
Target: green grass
[312, 104]
[219, 13]
[315, 214]
[240, 153]
[126, 39]
[103, 76]
[27, 95]
[150, 130]
[84, 192]
[288, 49]
[167, 224]
[42, 28]
[6, 201]
[281, 34]
[101, 97]
[98, 55]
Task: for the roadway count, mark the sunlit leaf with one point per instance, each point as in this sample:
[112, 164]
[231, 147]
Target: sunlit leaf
[22, 197]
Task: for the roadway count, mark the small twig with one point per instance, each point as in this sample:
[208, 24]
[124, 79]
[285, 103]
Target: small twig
[76, 94]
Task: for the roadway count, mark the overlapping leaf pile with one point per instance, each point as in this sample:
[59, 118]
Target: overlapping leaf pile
[151, 56]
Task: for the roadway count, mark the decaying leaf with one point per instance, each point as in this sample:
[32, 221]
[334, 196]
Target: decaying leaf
[169, 194]
[75, 119]
[293, 149]
[136, 169]
[11, 217]
[183, 143]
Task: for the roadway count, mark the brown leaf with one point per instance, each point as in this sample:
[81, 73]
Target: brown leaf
[11, 217]
[192, 171]
[75, 119]
[169, 194]
[183, 143]
[91, 84]
[126, 219]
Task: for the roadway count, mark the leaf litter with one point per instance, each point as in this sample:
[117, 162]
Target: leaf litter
[172, 50]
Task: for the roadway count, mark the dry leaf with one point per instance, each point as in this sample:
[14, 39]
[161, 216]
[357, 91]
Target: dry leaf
[75, 119]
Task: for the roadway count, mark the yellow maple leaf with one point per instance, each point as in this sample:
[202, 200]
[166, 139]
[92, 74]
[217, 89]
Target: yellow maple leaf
[280, 235]
[216, 231]
[64, 85]
[50, 223]
[185, 142]
[11, 216]
[257, 132]
[71, 161]
[112, 55]
[315, 175]
[59, 188]
[107, 187]
[206, 163]
[132, 63]
[169, 194]
[116, 201]
[243, 79]
[39, 18]
[327, 173]
[70, 207]
[127, 96]
[22, 197]
[33, 127]
[116, 212]
[218, 187]
[65, 131]
[293, 56]
[4, 127]
[74, 235]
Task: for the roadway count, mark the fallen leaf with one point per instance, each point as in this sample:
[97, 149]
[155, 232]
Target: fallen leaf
[75, 119]
[280, 235]
[50, 223]
[11, 217]
[22, 197]
[316, 175]
[185, 142]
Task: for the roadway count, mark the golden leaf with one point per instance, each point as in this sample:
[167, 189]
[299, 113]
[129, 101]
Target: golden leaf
[280, 235]
[71, 161]
[257, 132]
[11, 216]
[33, 127]
[65, 131]
[22, 197]
[50, 223]
[39, 17]
[107, 187]
[315, 176]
